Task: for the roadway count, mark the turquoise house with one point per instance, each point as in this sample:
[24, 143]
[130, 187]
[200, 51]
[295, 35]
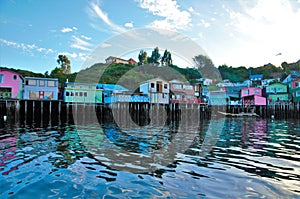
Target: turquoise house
[82, 93]
[277, 92]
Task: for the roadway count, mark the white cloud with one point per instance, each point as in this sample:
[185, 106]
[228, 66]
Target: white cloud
[128, 25]
[64, 30]
[174, 18]
[75, 28]
[77, 56]
[265, 29]
[85, 37]
[80, 44]
[72, 55]
[96, 11]
[29, 48]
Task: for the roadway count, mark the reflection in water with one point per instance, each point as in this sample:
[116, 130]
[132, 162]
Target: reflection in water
[251, 157]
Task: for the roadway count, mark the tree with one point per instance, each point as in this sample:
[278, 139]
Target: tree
[65, 64]
[166, 58]
[155, 56]
[202, 61]
[142, 58]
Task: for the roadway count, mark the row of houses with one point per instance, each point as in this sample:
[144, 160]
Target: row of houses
[264, 93]
[15, 86]
[155, 91]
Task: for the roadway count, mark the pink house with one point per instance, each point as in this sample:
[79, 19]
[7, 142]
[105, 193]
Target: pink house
[253, 96]
[11, 84]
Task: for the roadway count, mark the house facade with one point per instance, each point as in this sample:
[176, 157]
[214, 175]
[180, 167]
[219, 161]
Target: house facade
[110, 91]
[252, 96]
[295, 90]
[157, 89]
[82, 93]
[40, 88]
[277, 92]
[11, 84]
[183, 93]
[217, 98]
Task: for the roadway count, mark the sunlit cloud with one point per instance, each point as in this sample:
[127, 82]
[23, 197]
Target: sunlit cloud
[268, 27]
[173, 17]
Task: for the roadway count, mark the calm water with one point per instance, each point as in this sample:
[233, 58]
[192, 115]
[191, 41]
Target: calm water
[248, 157]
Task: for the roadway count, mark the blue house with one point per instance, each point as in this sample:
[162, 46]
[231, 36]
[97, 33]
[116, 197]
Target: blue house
[110, 91]
[256, 80]
[40, 88]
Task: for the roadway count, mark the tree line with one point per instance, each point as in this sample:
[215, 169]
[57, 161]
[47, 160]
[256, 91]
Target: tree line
[204, 67]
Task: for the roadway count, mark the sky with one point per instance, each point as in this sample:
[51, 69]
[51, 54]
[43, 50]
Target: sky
[233, 32]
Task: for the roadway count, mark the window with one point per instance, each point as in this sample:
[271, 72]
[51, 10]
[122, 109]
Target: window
[1, 78]
[280, 90]
[76, 93]
[152, 85]
[246, 92]
[51, 83]
[177, 86]
[297, 83]
[165, 95]
[15, 77]
[298, 94]
[67, 93]
[72, 94]
[256, 91]
[188, 87]
[165, 86]
[85, 94]
[42, 83]
[80, 94]
[31, 82]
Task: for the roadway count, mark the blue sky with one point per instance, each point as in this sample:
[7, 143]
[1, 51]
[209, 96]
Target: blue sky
[233, 32]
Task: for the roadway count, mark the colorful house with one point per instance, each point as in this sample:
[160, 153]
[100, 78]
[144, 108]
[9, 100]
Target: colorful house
[201, 92]
[82, 93]
[217, 98]
[11, 84]
[157, 89]
[277, 92]
[290, 78]
[41, 88]
[256, 80]
[110, 91]
[253, 96]
[128, 97]
[295, 90]
[183, 93]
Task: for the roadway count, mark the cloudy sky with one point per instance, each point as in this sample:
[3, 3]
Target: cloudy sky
[233, 32]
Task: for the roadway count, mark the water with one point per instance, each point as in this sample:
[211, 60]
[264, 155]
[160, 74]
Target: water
[248, 158]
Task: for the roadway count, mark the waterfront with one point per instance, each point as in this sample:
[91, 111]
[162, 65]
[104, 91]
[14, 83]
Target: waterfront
[251, 157]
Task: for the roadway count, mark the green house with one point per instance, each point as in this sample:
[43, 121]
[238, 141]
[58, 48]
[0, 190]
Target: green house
[82, 93]
[277, 92]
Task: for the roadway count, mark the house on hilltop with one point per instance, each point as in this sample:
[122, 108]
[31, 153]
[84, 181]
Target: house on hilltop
[116, 60]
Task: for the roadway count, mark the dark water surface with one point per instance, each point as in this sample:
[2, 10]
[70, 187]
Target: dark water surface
[247, 158]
